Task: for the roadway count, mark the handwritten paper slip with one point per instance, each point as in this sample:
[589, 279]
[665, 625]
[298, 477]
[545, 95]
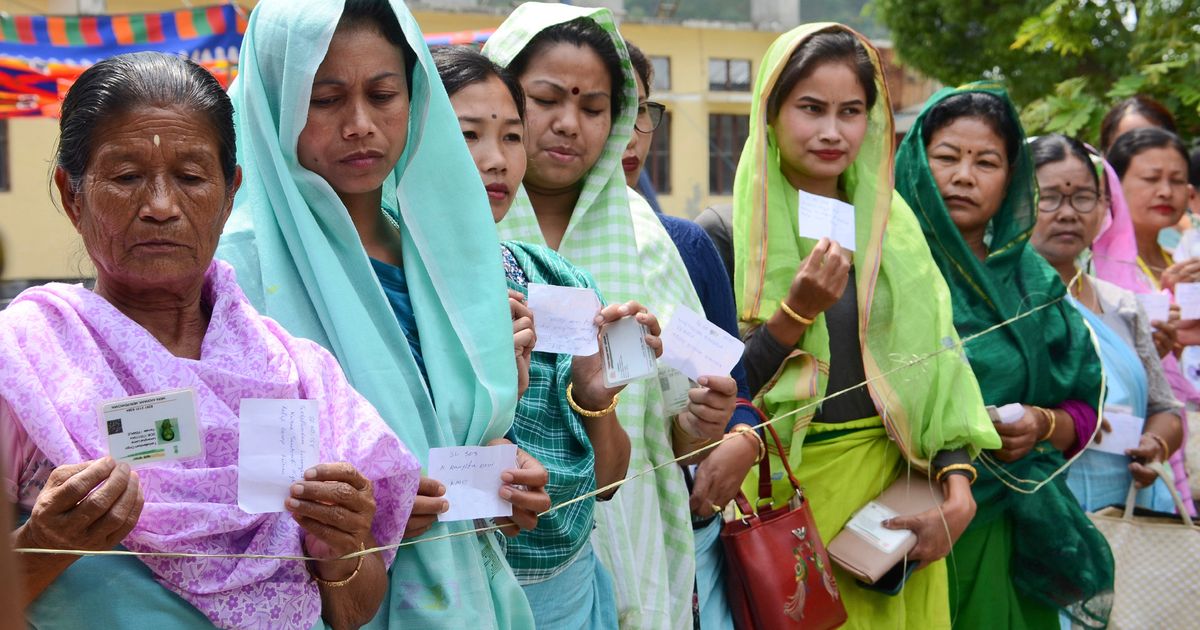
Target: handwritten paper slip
[152, 428]
[822, 217]
[471, 475]
[1126, 431]
[1156, 305]
[564, 319]
[277, 441]
[1187, 295]
[697, 347]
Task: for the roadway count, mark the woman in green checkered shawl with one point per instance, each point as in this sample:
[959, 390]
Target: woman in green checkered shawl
[581, 100]
[554, 562]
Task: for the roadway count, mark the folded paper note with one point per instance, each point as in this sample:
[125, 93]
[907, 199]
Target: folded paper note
[471, 475]
[277, 441]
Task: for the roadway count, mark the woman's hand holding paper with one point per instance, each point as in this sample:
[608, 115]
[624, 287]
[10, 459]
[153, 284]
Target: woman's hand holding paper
[525, 488]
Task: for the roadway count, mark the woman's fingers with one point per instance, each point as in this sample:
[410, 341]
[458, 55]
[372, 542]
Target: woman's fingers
[1142, 475]
[339, 541]
[102, 498]
[75, 481]
[122, 515]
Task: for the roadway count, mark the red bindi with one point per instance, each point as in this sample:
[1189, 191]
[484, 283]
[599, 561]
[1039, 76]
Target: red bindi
[575, 90]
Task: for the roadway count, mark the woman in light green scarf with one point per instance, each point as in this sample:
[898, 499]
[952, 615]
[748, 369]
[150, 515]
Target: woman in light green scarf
[821, 124]
[581, 103]
[363, 225]
[965, 170]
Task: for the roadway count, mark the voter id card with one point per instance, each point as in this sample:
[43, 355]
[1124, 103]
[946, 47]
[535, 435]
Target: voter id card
[627, 356]
[151, 428]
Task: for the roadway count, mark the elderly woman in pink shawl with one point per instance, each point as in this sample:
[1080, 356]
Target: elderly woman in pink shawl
[147, 173]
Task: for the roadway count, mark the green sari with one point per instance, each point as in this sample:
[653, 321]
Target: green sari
[300, 261]
[903, 314]
[1043, 359]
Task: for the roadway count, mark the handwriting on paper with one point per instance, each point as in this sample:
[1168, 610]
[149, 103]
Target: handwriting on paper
[564, 319]
[1156, 305]
[277, 441]
[471, 475]
[822, 217]
[697, 347]
[1187, 295]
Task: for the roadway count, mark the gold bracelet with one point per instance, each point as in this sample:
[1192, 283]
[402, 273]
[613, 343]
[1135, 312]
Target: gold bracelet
[952, 467]
[1052, 419]
[584, 412]
[800, 319]
[745, 429]
[361, 547]
[1162, 444]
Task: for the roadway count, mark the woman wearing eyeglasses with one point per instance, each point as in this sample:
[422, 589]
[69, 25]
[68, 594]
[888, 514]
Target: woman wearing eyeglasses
[1070, 216]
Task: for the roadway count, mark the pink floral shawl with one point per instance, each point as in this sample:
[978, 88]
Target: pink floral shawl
[65, 350]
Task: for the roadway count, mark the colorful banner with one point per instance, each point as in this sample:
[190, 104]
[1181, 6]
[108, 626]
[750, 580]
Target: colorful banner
[40, 56]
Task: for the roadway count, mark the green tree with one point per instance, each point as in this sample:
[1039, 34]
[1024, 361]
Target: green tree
[1065, 61]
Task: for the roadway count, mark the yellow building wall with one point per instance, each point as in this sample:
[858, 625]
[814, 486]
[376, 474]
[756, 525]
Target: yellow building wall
[40, 242]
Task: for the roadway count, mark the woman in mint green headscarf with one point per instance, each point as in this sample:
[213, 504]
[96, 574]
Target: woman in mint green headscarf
[967, 174]
[581, 104]
[362, 225]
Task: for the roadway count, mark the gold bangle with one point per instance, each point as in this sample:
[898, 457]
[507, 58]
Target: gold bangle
[584, 412]
[1052, 419]
[800, 319]
[952, 467]
[1162, 444]
[361, 547]
[744, 429]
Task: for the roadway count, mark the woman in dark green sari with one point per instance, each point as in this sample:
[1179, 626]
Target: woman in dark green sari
[1030, 551]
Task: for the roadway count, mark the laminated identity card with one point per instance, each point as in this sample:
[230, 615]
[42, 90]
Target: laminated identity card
[627, 356]
[151, 428]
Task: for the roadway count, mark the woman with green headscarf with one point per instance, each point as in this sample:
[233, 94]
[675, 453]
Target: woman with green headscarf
[581, 103]
[362, 225]
[966, 172]
[821, 125]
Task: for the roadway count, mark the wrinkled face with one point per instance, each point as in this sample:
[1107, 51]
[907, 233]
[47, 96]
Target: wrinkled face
[567, 114]
[153, 200]
[821, 125]
[970, 165]
[634, 158]
[495, 135]
[358, 113]
[1156, 189]
[1062, 233]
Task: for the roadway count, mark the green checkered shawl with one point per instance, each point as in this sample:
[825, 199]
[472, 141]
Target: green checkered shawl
[644, 535]
[549, 430]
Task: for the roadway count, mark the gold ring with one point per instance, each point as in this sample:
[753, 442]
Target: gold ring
[717, 509]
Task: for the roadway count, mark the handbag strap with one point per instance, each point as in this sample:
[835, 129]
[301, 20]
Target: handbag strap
[764, 467]
[1131, 498]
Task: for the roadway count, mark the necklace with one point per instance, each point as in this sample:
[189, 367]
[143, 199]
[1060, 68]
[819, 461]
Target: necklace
[390, 219]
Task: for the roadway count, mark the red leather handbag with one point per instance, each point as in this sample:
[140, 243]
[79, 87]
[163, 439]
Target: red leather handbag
[779, 575]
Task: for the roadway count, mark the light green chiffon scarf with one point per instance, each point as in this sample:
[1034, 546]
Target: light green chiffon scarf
[300, 261]
[903, 303]
[644, 535]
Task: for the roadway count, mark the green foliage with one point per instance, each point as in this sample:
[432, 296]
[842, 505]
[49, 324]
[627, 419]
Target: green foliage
[1066, 60]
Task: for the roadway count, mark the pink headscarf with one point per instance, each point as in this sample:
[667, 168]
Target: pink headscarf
[65, 350]
[1114, 252]
[1115, 259]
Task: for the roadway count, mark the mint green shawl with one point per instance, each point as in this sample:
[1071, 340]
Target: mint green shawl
[643, 535]
[300, 261]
